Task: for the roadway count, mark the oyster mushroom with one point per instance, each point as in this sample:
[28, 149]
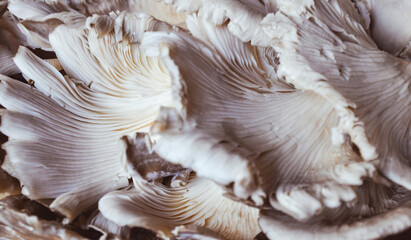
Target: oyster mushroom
[65, 135]
[200, 202]
[368, 87]
[377, 212]
[6, 61]
[289, 106]
[161, 11]
[235, 119]
[387, 29]
[184, 200]
[10, 38]
[37, 19]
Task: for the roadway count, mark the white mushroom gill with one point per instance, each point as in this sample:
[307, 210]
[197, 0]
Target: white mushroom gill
[64, 136]
[200, 202]
[205, 119]
[185, 199]
[377, 212]
[240, 115]
[369, 88]
[10, 38]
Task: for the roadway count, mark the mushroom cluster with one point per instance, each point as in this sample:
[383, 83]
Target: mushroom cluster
[205, 119]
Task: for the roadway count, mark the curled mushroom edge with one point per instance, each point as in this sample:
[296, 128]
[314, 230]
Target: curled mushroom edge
[205, 119]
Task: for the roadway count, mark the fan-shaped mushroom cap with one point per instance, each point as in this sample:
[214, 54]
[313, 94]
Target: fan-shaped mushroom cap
[231, 120]
[369, 88]
[200, 202]
[290, 105]
[166, 196]
[378, 211]
[65, 135]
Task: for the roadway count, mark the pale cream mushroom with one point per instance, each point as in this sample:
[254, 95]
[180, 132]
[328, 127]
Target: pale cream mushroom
[231, 123]
[10, 38]
[7, 65]
[377, 212]
[65, 134]
[165, 197]
[326, 47]
[329, 51]
[389, 27]
[200, 202]
[355, 115]
[160, 10]
[290, 105]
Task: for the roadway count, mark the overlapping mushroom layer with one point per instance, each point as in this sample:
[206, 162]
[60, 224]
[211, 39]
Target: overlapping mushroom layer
[215, 117]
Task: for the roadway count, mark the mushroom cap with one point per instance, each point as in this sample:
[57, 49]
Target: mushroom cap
[298, 108]
[71, 127]
[200, 202]
[231, 124]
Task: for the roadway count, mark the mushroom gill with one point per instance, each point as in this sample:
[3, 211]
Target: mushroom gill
[235, 119]
[65, 134]
[206, 119]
